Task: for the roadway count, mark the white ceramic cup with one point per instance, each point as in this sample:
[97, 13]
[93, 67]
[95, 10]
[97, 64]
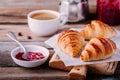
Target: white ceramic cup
[46, 27]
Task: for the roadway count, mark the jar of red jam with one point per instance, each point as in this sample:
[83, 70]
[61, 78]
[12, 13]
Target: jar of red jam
[108, 11]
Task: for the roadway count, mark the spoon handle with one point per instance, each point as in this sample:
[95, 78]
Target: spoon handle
[13, 37]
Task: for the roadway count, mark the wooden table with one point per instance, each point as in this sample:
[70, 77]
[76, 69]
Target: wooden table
[13, 18]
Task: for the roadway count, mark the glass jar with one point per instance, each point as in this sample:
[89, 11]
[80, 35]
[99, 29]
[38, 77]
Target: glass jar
[108, 11]
[76, 10]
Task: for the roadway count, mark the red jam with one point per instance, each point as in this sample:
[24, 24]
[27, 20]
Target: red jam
[108, 11]
[31, 56]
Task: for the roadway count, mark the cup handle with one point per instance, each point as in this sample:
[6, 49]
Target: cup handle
[63, 19]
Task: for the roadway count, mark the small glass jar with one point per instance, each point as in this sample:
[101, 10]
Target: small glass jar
[108, 11]
[76, 10]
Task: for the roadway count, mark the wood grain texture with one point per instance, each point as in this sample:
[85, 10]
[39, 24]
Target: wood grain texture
[19, 3]
[78, 73]
[15, 11]
[39, 73]
[21, 29]
[92, 6]
[56, 63]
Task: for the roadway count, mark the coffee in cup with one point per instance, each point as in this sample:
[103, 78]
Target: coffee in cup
[44, 16]
[45, 22]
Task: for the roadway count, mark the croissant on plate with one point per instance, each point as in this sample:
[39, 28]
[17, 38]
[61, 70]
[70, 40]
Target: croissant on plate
[98, 48]
[70, 42]
[97, 29]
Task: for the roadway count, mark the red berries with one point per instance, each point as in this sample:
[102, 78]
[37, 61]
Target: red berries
[31, 56]
[108, 11]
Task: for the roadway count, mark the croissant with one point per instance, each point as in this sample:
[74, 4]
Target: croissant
[97, 29]
[98, 48]
[70, 42]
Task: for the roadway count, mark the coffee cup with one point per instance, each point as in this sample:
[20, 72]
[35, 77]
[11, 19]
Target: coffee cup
[45, 22]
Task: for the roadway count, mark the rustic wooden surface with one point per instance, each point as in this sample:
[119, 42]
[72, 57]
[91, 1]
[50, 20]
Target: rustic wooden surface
[13, 17]
[15, 11]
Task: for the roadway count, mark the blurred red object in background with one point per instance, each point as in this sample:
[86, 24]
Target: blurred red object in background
[108, 11]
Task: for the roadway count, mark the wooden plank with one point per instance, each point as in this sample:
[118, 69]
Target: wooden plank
[23, 32]
[20, 32]
[39, 73]
[92, 4]
[19, 14]
[15, 11]
[29, 36]
[19, 3]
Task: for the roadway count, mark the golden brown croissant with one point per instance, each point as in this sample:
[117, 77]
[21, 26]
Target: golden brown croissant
[98, 48]
[70, 42]
[97, 29]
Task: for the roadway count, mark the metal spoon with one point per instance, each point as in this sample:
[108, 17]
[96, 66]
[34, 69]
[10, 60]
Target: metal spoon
[13, 37]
